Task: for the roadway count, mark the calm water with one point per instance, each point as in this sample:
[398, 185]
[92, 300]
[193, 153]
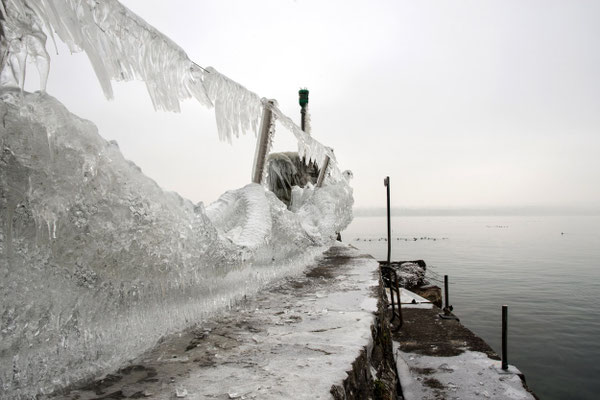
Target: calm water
[550, 282]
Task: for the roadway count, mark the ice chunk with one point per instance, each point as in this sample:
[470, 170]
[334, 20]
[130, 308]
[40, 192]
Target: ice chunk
[286, 170]
[243, 215]
[23, 41]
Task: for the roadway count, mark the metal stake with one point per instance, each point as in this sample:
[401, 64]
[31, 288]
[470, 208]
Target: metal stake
[447, 311]
[504, 337]
[446, 296]
[323, 171]
[399, 302]
[386, 183]
[262, 143]
[392, 297]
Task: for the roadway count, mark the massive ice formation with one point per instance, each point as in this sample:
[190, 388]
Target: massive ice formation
[97, 262]
[286, 170]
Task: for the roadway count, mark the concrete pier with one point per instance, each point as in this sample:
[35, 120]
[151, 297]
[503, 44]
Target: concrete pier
[441, 359]
[311, 336]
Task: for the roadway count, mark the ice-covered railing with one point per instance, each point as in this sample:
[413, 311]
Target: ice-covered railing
[236, 108]
[308, 147]
[121, 46]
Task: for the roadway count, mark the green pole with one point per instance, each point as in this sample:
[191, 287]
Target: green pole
[303, 100]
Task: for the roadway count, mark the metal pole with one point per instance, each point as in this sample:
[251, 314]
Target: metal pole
[504, 337]
[386, 182]
[399, 301]
[446, 296]
[303, 119]
[262, 143]
[323, 171]
[392, 283]
[303, 100]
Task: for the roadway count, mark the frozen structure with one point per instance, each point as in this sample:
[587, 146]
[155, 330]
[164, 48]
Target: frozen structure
[287, 170]
[96, 261]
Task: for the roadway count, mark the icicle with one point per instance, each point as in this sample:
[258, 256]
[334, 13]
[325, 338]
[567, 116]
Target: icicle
[119, 44]
[237, 109]
[21, 58]
[24, 39]
[308, 147]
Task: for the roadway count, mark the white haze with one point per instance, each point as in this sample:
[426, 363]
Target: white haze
[464, 103]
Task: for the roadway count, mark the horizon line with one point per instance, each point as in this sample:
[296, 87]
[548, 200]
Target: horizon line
[481, 211]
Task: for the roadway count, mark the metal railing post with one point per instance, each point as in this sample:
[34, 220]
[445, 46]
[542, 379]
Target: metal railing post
[446, 294]
[392, 298]
[399, 302]
[262, 143]
[323, 171]
[504, 337]
[386, 182]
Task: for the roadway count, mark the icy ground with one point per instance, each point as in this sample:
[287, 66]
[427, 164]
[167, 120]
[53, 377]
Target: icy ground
[441, 359]
[294, 340]
[470, 375]
[97, 262]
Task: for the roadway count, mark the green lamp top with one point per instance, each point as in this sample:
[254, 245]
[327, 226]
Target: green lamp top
[303, 100]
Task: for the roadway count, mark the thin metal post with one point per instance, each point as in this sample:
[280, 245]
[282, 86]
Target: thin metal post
[386, 182]
[504, 337]
[392, 297]
[323, 171]
[446, 296]
[262, 143]
[399, 302]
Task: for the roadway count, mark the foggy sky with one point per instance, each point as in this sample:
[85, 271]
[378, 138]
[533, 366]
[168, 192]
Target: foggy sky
[462, 103]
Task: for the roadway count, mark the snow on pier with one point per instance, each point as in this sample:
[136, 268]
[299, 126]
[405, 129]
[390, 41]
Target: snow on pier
[441, 359]
[293, 340]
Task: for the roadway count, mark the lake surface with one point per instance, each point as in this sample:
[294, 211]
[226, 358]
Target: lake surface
[546, 269]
